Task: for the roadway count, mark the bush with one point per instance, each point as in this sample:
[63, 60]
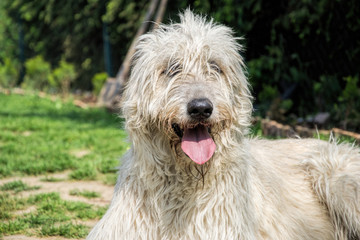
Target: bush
[37, 74]
[63, 76]
[347, 112]
[98, 81]
[9, 72]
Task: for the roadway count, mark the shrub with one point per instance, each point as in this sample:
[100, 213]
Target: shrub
[98, 81]
[37, 73]
[347, 111]
[63, 76]
[9, 72]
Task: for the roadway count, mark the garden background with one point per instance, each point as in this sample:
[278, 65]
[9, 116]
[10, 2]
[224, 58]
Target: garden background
[302, 57]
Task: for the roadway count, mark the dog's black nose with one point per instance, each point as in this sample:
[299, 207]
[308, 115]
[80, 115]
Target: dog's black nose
[200, 108]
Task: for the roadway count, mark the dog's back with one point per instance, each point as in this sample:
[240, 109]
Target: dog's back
[312, 185]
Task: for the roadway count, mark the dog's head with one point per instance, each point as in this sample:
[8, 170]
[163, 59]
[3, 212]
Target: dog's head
[188, 84]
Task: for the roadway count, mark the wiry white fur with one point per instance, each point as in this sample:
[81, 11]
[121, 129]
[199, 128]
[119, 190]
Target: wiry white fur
[250, 189]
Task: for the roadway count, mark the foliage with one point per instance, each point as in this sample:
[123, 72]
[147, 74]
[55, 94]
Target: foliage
[73, 30]
[350, 103]
[63, 76]
[8, 34]
[37, 73]
[98, 81]
[8, 73]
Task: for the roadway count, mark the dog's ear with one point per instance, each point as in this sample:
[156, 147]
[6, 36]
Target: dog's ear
[144, 49]
[135, 56]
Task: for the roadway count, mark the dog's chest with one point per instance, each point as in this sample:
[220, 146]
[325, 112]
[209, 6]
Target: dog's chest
[205, 212]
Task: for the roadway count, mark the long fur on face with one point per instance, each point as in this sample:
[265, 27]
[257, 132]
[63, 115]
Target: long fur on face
[250, 188]
[193, 58]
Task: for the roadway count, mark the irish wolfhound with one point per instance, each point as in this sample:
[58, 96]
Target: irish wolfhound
[192, 174]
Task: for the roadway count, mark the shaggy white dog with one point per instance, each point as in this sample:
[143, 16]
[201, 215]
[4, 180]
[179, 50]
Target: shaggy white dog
[192, 174]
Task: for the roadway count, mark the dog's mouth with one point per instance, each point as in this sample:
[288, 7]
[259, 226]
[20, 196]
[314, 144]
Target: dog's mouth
[179, 132]
[196, 142]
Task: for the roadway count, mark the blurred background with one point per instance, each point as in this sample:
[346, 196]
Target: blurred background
[303, 56]
[58, 59]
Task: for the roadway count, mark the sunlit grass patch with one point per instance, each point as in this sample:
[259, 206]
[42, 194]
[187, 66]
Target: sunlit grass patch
[84, 172]
[39, 136]
[109, 178]
[51, 208]
[338, 139]
[68, 230]
[9, 223]
[51, 179]
[17, 186]
[52, 216]
[9, 204]
[85, 193]
[12, 227]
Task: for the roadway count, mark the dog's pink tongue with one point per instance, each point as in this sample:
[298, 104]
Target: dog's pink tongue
[198, 144]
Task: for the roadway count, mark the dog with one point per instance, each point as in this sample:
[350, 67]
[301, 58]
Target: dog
[192, 171]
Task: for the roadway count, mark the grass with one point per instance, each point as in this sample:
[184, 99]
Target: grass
[51, 179]
[53, 216]
[68, 230]
[337, 139]
[85, 193]
[51, 208]
[17, 186]
[9, 204]
[38, 136]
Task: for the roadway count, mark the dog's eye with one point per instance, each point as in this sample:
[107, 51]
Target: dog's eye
[214, 66]
[172, 70]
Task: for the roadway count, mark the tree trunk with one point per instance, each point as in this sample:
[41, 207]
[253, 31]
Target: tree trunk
[160, 13]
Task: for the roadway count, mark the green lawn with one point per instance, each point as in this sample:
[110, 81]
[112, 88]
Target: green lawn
[38, 135]
[53, 216]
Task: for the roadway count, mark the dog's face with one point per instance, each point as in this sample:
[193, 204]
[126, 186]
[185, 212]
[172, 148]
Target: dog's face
[188, 83]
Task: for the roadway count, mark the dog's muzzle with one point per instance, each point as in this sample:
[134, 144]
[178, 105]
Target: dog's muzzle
[196, 141]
